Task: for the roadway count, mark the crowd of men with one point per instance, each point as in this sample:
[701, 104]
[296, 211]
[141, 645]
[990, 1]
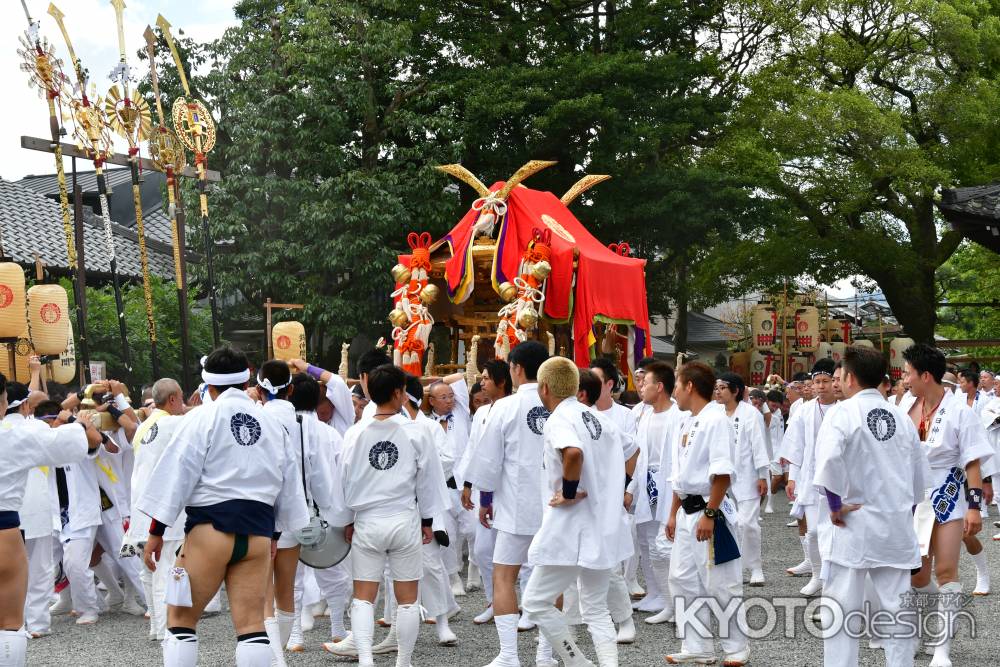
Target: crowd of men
[556, 484]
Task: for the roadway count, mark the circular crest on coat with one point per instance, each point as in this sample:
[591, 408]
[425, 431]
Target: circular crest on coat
[245, 428]
[537, 416]
[383, 455]
[882, 424]
[151, 434]
[593, 425]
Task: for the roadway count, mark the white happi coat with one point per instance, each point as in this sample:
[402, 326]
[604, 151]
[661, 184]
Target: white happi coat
[305, 437]
[653, 435]
[459, 423]
[475, 435]
[869, 454]
[989, 417]
[508, 459]
[39, 512]
[339, 394]
[592, 533]
[799, 447]
[705, 446]
[22, 449]
[955, 439]
[776, 433]
[389, 467]
[230, 449]
[751, 451]
[624, 419]
[148, 444]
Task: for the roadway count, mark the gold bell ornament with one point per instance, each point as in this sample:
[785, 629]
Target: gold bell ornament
[401, 273]
[429, 294]
[398, 318]
[541, 270]
[527, 318]
[508, 292]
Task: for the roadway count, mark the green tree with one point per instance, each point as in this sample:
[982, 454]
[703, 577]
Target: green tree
[331, 127]
[972, 275]
[854, 122]
[102, 330]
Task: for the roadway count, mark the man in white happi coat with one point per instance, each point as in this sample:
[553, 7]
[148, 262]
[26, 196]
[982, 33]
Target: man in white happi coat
[230, 469]
[968, 387]
[701, 523]
[584, 530]
[449, 403]
[799, 449]
[36, 512]
[871, 468]
[606, 373]
[148, 444]
[751, 468]
[21, 450]
[655, 430]
[497, 384]
[393, 488]
[337, 392]
[505, 468]
[957, 451]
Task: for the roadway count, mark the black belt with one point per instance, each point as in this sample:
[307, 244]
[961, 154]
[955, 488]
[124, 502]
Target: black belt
[694, 503]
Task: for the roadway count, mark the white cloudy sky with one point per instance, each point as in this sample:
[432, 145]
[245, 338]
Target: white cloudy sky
[91, 25]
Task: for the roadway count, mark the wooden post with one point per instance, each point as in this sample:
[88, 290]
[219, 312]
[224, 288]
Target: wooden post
[83, 350]
[267, 327]
[182, 292]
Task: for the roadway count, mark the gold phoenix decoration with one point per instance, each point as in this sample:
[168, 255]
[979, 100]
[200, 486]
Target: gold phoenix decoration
[130, 118]
[46, 75]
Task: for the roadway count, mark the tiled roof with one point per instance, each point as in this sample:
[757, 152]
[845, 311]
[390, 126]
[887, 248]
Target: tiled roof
[156, 222]
[975, 212]
[48, 184]
[704, 328]
[31, 222]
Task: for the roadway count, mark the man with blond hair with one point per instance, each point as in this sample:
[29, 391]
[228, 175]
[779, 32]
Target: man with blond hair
[584, 532]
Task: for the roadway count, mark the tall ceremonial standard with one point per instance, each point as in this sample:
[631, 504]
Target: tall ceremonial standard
[168, 154]
[130, 118]
[196, 129]
[92, 135]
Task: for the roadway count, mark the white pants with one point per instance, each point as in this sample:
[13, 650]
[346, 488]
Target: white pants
[335, 584]
[112, 533]
[482, 555]
[619, 600]
[749, 533]
[40, 584]
[154, 585]
[435, 587]
[691, 578]
[646, 533]
[548, 582]
[845, 586]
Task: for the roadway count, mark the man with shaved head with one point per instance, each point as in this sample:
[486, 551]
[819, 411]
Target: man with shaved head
[148, 444]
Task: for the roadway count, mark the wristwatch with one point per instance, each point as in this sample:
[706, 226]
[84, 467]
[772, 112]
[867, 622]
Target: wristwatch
[711, 513]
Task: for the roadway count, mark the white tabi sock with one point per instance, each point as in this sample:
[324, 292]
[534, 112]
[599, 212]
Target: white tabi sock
[253, 650]
[507, 632]
[407, 627]
[363, 628]
[274, 638]
[180, 648]
[286, 619]
[13, 648]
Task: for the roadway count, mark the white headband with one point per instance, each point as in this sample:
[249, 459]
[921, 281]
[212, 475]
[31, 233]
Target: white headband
[14, 404]
[413, 398]
[270, 388]
[226, 379]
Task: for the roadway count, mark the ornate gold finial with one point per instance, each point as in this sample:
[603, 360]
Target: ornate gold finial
[530, 168]
[466, 176]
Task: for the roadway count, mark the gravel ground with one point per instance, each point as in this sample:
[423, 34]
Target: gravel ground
[121, 640]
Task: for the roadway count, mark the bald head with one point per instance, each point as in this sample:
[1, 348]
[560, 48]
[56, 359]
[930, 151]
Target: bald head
[441, 397]
[167, 395]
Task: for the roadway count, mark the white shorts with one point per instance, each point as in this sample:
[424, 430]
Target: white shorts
[511, 549]
[287, 540]
[396, 539]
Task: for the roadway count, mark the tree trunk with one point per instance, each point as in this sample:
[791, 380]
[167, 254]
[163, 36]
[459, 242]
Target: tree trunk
[913, 300]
